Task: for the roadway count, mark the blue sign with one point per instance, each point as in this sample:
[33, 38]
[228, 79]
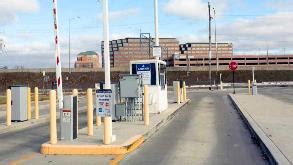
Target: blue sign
[143, 67]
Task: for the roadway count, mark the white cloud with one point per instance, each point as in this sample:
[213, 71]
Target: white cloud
[272, 31]
[194, 9]
[10, 8]
[280, 5]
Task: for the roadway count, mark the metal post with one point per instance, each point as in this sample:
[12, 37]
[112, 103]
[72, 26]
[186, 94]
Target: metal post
[108, 120]
[146, 115]
[37, 103]
[178, 92]
[156, 24]
[253, 80]
[8, 107]
[234, 83]
[57, 56]
[210, 40]
[90, 119]
[53, 122]
[69, 44]
[29, 110]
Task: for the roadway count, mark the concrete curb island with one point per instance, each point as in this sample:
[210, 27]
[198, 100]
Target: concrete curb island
[128, 146]
[275, 156]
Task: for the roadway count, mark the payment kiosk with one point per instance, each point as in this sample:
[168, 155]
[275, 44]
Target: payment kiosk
[68, 119]
[153, 74]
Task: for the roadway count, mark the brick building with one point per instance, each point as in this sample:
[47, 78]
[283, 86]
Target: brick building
[196, 54]
[88, 59]
[122, 51]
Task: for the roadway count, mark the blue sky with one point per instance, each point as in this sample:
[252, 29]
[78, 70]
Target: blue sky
[26, 26]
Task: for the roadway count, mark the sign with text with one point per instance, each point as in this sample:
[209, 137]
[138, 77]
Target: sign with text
[157, 51]
[145, 71]
[104, 102]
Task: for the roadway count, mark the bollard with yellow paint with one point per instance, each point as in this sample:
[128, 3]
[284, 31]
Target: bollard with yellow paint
[178, 92]
[107, 130]
[75, 93]
[249, 89]
[98, 120]
[53, 122]
[36, 103]
[29, 110]
[8, 107]
[184, 91]
[90, 112]
[146, 114]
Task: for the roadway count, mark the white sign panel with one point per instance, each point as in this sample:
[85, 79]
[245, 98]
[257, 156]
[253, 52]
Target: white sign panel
[157, 51]
[66, 116]
[145, 71]
[103, 102]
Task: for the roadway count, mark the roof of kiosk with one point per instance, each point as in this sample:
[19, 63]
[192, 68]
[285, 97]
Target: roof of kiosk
[148, 61]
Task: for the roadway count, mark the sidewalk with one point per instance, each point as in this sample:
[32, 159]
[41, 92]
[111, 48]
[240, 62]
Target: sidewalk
[271, 121]
[129, 135]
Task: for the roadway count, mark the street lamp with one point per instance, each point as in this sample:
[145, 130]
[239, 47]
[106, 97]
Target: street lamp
[69, 40]
[210, 53]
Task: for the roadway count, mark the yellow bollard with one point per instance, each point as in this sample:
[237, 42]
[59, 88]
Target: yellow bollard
[29, 110]
[75, 93]
[107, 129]
[8, 107]
[98, 120]
[146, 114]
[53, 122]
[249, 89]
[184, 91]
[36, 103]
[178, 92]
[90, 112]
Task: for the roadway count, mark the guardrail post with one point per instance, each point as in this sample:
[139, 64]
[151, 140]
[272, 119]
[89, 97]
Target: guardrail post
[29, 110]
[90, 112]
[8, 107]
[36, 103]
[53, 122]
[146, 115]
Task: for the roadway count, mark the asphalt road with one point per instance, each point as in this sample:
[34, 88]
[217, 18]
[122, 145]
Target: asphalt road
[19, 144]
[207, 131]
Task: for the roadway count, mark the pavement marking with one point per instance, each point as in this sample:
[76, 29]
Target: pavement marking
[23, 159]
[130, 148]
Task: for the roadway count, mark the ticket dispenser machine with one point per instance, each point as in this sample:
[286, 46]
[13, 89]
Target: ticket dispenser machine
[68, 120]
[154, 75]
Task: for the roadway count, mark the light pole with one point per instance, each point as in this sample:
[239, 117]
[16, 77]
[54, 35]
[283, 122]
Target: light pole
[210, 40]
[156, 25]
[69, 41]
[217, 58]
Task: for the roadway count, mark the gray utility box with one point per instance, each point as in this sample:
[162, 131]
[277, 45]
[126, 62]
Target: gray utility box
[68, 119]
[130, 86]
[19, 103]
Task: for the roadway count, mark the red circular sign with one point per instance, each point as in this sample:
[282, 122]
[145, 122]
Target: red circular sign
[233, 65]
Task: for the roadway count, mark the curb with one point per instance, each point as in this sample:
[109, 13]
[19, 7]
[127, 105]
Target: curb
[275, 156]
[127, 147]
